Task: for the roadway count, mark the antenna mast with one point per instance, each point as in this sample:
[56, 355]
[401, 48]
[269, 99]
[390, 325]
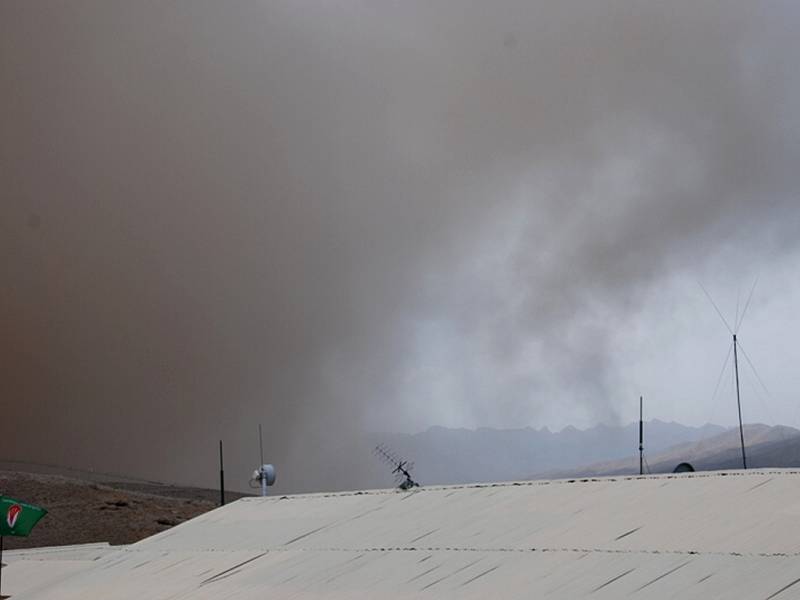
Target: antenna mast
[260, 444]
[641, 439]
[221, 478]
[736, 324]
[739, 401]
[261, 468]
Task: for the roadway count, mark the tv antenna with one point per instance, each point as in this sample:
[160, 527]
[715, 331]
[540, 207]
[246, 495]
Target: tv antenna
[264, 475]
[401, 469]
[737, 323]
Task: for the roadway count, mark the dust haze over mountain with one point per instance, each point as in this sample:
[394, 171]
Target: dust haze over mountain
[339, 218]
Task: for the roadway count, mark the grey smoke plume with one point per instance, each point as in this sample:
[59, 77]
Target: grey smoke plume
[330, 217]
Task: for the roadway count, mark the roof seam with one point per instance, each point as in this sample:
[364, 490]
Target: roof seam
[499, 550]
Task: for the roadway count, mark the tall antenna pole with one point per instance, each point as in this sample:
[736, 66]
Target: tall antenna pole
[641, 439]
[221, 478]
[739, 401]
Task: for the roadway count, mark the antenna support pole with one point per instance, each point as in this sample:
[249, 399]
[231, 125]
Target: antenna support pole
[739, 401]
[641, 439]
[221, 478]
[262, 475]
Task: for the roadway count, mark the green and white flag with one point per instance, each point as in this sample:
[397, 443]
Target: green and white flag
[18, 518]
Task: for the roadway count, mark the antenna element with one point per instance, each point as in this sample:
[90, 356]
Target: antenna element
[401, 469]
[260, 444]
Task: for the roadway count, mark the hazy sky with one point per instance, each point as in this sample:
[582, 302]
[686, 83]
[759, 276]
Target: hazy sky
[339, 217]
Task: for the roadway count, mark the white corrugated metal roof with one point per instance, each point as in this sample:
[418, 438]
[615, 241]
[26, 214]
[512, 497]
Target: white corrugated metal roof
[73, 552]
[40, 568]
[734, 534]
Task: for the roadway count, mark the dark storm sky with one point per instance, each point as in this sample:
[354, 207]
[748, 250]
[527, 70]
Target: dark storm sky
[339, 217]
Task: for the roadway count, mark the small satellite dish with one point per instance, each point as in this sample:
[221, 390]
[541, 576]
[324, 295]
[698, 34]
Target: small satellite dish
[684, 467]
[265, 474]
[268, 473]
[263, 477]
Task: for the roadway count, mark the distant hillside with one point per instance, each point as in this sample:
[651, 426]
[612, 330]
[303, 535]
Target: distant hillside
[88, 507]
[765, 446]
[460, 456]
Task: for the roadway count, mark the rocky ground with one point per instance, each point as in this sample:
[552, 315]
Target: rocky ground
[81, 511]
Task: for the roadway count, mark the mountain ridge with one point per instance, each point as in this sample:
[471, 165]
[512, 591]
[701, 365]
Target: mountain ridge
[452, 456]
[765, 446]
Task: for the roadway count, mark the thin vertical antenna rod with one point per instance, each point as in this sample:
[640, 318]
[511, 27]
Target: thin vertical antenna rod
[739, 401]
[263, 476]
[260, 444]
[641, 439]
[221, 477]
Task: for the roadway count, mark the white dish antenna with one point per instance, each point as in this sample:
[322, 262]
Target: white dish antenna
[264, 475]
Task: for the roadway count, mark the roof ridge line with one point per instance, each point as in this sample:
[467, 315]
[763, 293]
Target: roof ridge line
[524, 483]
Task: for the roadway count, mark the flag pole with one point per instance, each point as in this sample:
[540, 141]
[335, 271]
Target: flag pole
[1, 566]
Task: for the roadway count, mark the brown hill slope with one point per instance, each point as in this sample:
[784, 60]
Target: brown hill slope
[83, 511]
[766, 446]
